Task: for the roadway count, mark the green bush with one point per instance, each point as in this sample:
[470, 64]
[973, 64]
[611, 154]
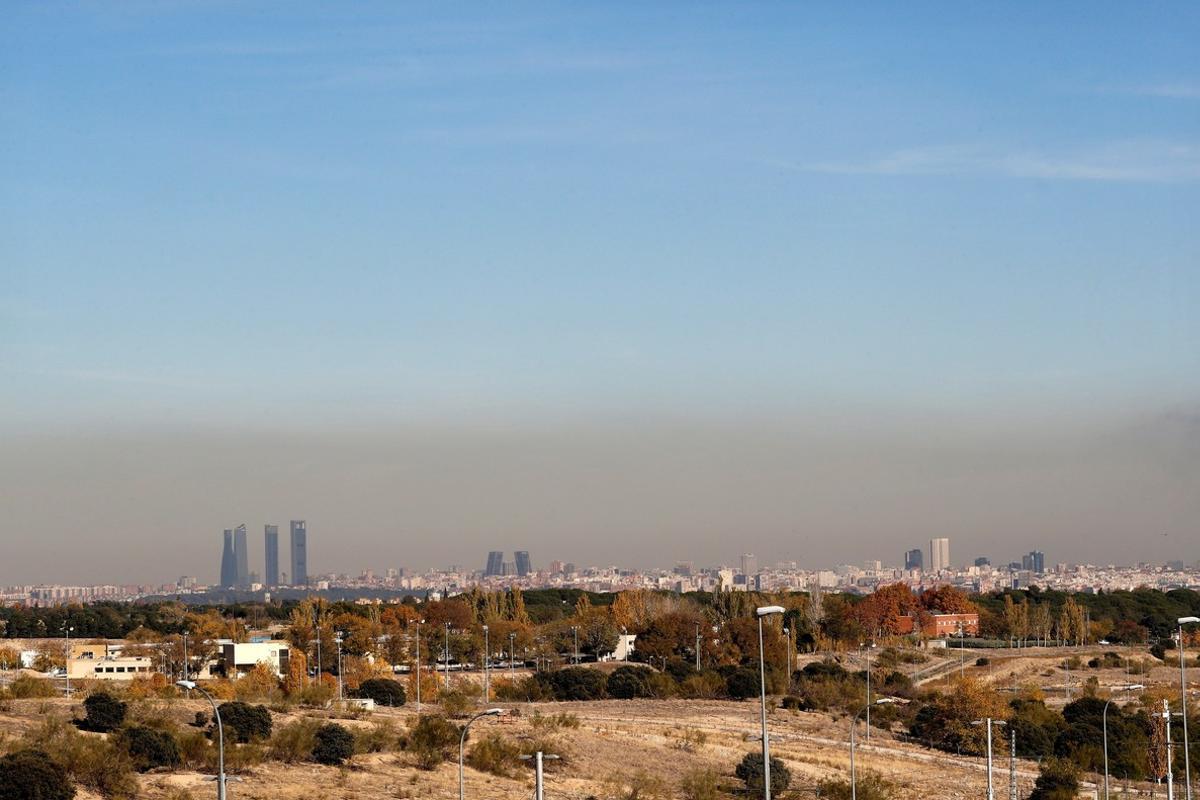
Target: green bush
[334, 744]
[700, 783]
[629, 682]
[377, 739]
[104, 712]
[575, 683]
[750, 770]
[383, 691]
[495, 754]
[431, 740]
[1057, 780]
[248, 723]
[869, 787]
[742, 683]
[26, 686]
[149, 748]
[294, 741]
[33, 775]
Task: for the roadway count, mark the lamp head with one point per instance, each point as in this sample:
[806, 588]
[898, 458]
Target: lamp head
[494, 712]
[1188, 620]
[763, 611]
[189, 685]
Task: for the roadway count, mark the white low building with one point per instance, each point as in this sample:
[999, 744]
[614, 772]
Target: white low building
[239, 658]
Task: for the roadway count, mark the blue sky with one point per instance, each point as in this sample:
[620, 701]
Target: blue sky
[282, 216]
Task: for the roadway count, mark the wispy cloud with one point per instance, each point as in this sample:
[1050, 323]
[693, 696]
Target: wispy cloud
[1178, 90]
[1132, 161]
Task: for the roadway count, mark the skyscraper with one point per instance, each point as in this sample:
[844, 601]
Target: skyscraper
[939, 554]
[242, 552]
[914, 559]
[1034, 562]
[749, 564]
[271, 563]
[524, 565]
[299, 536]
[495, 564]
[228, 561]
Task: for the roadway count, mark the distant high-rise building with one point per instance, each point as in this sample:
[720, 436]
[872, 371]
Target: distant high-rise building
[271, 564]
[299, 536]
[872, 565]
[524, 565]
[684, 569]
[1034, 562]
[983, 561]
[242, 552]
[508, 569]
[939, 554]
[228, 561]
[914, 559]
[749, 564]
[495, 564]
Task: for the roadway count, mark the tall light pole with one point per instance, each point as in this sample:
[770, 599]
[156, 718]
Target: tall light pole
[538, 783]
[764, 611]
[1166, 715]
[190, 685]
[338, 640]
[419, 623]
[462, 738]
[989, 722]
[854, 744]
[697, 647]
[67, 657]
[447, 655]
[512, 656]
[317, 625]
[575, 631]
[1104, 723]
[487, 686]
[1187, 758]
[867, 650]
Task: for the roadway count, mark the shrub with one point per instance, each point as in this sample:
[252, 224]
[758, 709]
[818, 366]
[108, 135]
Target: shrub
[457, 702]
[149, 748]
[700, 784]
[334, 744]
[376, 739]
[495, 754]
[750, 770]
[869, 787]
[1057, 780]
[742, 683]
[248, 723]
[33, 775]
[431, 739]
[103, 712]
[575, 683]
[27, 686]
[201, 719]
[383, 691]
[294, 741]
[982, 661]
[629, 682]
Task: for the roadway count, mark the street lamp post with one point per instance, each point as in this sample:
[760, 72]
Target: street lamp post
[854, 743]
[487, 686]
[338, 639]
[867, 650]
[575, 632]
[989, 722]
[538, 783]
[1104, 723]
[512, 657]
[764, 611]
[67, 656]
[697, 647]
[447, 655]
[1187, 758]
[190, 685]
[419, 623]
[462, 738]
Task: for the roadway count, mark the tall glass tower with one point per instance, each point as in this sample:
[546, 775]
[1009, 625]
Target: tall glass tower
[242, 553]
[271, 563]
[299, 535]
[228, 561]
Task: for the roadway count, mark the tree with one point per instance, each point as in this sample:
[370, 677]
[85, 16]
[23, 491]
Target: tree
[741, 683]
[431, 739]
[750, 770]
[33, 775]
[249, 723]
[1057, 780]
[334, 744]
[104, 712]
[383, 691]
[149, 748]
[574, 683]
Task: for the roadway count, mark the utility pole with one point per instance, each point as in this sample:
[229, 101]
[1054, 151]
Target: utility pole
[1167, 724]
[1012, 764]
[697, 647]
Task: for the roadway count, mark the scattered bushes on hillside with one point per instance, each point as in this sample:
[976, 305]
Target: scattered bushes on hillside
[628, 682]
[701, 783]
[33, 775]
[431, 739]
[104, 712]
[750, 770]
[149, 748]
[383, 691]
[27, 687]
[294, 741]
[495, 754]
[869, 787]
[244, 722]
[334, 744]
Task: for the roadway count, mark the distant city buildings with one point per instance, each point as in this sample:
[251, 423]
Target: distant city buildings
[271, 560]
[749, 565]
[241, 552]
[1035, 562]
[299, 542]
[524, 565]
[228, 561]
[495, 564]
[939, 555]
[914, 560]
